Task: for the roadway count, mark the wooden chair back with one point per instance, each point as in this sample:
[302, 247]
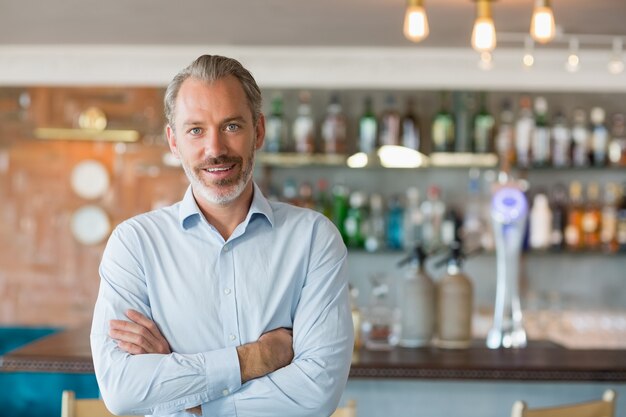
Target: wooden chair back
[71, 407]
[598, 408]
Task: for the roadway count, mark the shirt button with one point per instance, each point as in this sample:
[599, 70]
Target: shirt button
[226, 248]
[225, 392]
[232, 337]
[227, 291]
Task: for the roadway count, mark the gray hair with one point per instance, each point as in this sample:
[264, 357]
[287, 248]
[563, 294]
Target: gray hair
[211, 68]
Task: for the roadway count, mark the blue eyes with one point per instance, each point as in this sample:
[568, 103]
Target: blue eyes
[195, 131]
[230, 127]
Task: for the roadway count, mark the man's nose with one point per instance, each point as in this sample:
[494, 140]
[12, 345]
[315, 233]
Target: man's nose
[214, 144]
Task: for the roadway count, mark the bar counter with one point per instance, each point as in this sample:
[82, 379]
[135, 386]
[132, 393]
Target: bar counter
[68, 352]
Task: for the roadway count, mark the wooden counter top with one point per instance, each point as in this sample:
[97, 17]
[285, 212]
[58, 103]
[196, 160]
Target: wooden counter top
[69, 352]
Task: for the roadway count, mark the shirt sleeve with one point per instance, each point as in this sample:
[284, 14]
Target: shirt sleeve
[323, 343]
[150, 383]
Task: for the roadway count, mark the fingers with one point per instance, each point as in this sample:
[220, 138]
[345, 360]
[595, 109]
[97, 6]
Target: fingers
[142, 320]
[141, 335]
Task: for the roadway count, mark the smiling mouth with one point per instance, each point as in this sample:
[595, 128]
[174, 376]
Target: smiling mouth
[220, 169]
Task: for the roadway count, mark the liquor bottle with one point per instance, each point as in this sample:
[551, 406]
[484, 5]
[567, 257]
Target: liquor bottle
[411, 137]
[505, 139]
[561, 141]
[395, 223]
[322, 199]
[573, 230]
[540, 146]
[484, 124]
[462, 109]
[381, 326]
[413, 220]
[355, 218]
[540, 223]
[443, 129]
[390, 123]
[617, 146]
[580, 139]
[368, 129]
[305, 195]
[590, 222]
[416, 298]
[608, 231]
[599, 136]
[433, 210]
[454, 305]
[340, 209]
[276, 128]
[473, 225]
[375, 224]
[450, 227]
[524, 128]
[304, 126]
[334, 130]
[621, 221]
[559, 217]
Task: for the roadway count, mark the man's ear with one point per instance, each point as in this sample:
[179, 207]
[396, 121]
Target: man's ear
[260, 132]
[171, 140]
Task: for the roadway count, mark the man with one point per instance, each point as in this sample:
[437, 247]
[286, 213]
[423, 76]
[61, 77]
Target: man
[214, 285]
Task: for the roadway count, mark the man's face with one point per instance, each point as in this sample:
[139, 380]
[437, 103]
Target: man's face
[215, 138]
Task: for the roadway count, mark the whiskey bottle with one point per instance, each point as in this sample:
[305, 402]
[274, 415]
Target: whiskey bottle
[591, 219]
[390, 123]
[334, 130]
[608, 230]
[573, 230]
[561, 141]
[304, 126]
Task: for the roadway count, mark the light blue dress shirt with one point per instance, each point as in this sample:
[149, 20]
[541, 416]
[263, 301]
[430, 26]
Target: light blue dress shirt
[283, 266]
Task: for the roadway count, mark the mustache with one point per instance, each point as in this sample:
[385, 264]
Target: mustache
[220, 160]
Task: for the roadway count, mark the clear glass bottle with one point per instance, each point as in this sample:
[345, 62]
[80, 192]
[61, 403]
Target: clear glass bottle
[454, 305]
[334, 130]
[411, 136]
[381, 324]
[540, 146]
[276, 127]
[416, 298]
[413, 220]
[443, 128]
[433, 210]
[473, 222]
[581, 146]
[540, 223]
[368, 128]
[304, 126]
[599, 136]
[375, 224]
[561, 141]
[390, 123]
[524, 127]
[484, 124]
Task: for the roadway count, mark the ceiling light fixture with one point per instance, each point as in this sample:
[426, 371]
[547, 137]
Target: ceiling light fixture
[573, 60]
[616, 63]
[415, 21]
[542, 27]
[484, 32]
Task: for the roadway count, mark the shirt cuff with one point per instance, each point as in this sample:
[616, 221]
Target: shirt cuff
[223, 373]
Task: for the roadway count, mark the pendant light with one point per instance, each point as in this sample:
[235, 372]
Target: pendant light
[542, 27]
[484, 32]
[415, 21]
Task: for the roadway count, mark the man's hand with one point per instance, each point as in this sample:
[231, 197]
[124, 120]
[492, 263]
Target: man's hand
[272, 351]
[138, 336]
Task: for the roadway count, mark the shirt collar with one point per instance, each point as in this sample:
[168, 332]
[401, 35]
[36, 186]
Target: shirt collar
[189, 208]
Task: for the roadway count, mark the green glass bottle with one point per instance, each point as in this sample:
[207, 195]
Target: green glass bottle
[275, 127]
[443, 128]
[484, 124]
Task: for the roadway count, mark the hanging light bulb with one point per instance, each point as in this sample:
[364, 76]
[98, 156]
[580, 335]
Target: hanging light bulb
[542, 27]
[415, 21]
[484, 32]
[528, 59]
[573, 61]
[616, 64]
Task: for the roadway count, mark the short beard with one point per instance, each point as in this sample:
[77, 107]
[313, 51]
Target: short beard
[216, 197]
